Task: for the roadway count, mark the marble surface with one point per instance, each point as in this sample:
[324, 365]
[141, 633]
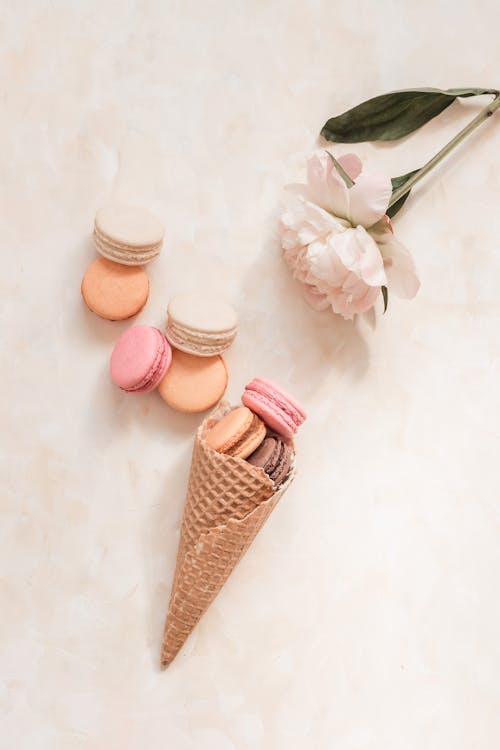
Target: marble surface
[366, 615]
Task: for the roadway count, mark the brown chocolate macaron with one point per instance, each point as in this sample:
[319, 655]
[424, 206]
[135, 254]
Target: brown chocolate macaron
[274, 456]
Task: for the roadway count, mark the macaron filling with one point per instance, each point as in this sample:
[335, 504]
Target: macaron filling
[201, 324]
[124, 245]
[258, 402]
[198, 342]
[122, 254]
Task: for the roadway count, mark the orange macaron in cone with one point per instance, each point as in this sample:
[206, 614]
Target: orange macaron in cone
[240, 468]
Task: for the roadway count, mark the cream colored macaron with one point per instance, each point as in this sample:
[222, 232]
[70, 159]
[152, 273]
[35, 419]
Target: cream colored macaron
[200, 324]
[129, 235]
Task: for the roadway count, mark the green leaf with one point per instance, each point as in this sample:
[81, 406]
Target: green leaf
[392, 116]
[385, 295]
[397, 182]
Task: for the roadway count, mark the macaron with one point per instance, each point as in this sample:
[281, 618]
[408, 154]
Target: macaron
[239, 433]
[279, 410]
[130, 235]
[200, 324]
[113, 291]
[140, 359]
[193, 384]
[273, 456]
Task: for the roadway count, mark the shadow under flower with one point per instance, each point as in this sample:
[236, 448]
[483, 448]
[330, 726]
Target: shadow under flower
[291, 341]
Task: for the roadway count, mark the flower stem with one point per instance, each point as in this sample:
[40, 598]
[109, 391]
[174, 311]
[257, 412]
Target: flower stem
[478, 120]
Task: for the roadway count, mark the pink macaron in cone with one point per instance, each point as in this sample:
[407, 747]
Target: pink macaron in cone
[140, 359]
[279, 410]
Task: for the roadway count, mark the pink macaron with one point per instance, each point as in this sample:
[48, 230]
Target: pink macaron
[279, 410]
[140, 359]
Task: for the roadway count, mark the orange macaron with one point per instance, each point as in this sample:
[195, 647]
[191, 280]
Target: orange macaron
[239, 433]
[114, 291]
[193, 384]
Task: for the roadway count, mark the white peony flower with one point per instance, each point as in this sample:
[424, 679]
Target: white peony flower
[338, 242]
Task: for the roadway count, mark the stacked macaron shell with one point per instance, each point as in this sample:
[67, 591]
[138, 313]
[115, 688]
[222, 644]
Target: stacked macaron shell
[188, 382]
[261, 430]
[199, 327]
[143, 360]
[115, 285]
[200, 324]
[130, 235]
[140, 359]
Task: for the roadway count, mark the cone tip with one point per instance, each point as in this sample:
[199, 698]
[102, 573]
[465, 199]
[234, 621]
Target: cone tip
[166, 660]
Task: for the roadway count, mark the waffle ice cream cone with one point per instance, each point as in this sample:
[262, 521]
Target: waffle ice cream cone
[228, 501]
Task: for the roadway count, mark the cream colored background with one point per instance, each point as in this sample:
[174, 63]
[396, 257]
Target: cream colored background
[366, 616]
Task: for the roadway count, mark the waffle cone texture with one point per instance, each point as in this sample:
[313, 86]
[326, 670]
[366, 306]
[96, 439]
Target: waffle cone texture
[228, 501]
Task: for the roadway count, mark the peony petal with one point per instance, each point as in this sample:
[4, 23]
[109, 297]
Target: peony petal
[306, 222]
[368, 199]
[354, 297]
[326, 187]
[322, 219]
[402, 278]
[341, 305]
[367, 300]
[351, 164]
[359, 253]
[315, 299]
